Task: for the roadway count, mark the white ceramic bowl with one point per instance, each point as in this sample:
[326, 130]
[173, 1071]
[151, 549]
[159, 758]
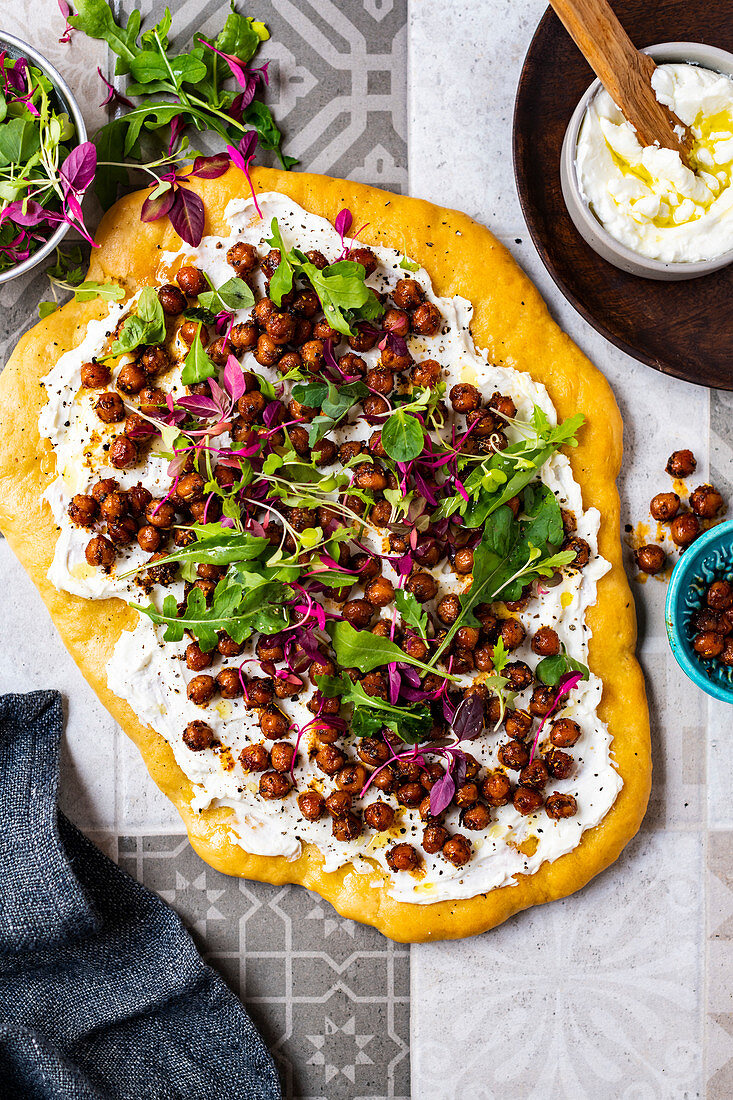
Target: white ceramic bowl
[15, 47]
[585, 221]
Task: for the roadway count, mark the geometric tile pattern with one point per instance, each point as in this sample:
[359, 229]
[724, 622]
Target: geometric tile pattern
[330, 997]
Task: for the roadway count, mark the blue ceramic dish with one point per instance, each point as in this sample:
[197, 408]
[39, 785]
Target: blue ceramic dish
[709, 558]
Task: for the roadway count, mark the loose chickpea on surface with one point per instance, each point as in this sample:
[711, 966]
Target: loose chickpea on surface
[379, 815]
[95, 375]
[565, 733]
[650, 559]
[100, 553]
[346, 827]
[83, 510]
[685, 529]
[255, 758]
[110, 408]
[706, 501]
[681, 464]
[561, 805]
[274, 785]
[664, 506]
[497, 788]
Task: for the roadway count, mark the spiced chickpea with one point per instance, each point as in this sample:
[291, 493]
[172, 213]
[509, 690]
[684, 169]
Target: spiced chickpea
[282, 755]
[402, 857]
[463, 560]
[408, 294]
[122, 531]
[426, 374]
[189, 330]
[196, 659]
[171, 299]
[83, 510]
[708, 645]
[149, 539]
[650, 559]
[273, 723]
[274, 785]
[514, 755]
[110, 408]
[201, 689]
[565, 733]
[497, 788]
[527, 800]
[379, 815]
[381, 380]
[727, 654]
[410, 794]
[366, 258]
[219, 351]
[367, 475]
[457, 850]
[681, 464]
[154, 359]
[384, 780]
[433, 839]
[123, 453]
[685, 529]
[160, 513]
[560, 805]
[519, 675]
[358, 612]
[536, 774]
[268, 352]
[95, 375]
[255, 758]
[448, 609]
[476, 817]
[483, 658]
[518, 724]
[375, 684]
[243, 258]
[373, 751]
[325, 452]
[229, 683]
[426, 319]
[664, 506]
[330, 759]
[312, 805]
[312, 354]
[542, 701]
[559, 764]
[720, 595]
[380, 592]
[100, 552]
[339, 803]
[192, 281]
[467, 637]
[190, 487]
[502, 404]
[512, 633]
[546, 642]
[467, 795]
[259, 691]
[251, 406]
[465, 398]
[423, 586]
[580, 549]
[346, 827]
[706, 501]
[198, 736]
[374, 405]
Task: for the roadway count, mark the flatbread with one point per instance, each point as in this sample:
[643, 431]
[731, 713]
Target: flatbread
[512, 323]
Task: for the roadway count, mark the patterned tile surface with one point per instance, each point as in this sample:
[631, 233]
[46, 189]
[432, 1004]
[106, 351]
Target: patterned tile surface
[621, 991]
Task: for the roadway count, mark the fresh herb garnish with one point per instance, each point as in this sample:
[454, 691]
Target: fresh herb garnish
[411, 723]
[232, 295]
[197, 366]
[551, 670]
[366, 651]
[412, 611]
[334, 401]
[403, 436]
[145, 326]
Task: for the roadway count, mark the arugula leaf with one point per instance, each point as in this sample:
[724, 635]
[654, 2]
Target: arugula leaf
[197, 366]
[145, 326]
[95, 19]
[411, 723]
[412, 611]
[232, 295]
[241, 36]
[366, 651]
[222, 548]
[403, 436]
[550, 670]
[109, 292]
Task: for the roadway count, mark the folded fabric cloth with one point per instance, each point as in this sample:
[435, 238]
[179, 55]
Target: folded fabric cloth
[102, 991]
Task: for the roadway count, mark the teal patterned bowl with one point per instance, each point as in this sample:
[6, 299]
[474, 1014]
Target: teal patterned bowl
[709, 558]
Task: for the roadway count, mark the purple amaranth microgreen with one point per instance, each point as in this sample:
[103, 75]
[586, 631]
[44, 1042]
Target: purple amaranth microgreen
[115, 98]
[68, 29]
[564, 687]
[242, 157]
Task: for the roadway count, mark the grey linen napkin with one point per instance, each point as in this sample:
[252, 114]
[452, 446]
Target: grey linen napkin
[102, 991]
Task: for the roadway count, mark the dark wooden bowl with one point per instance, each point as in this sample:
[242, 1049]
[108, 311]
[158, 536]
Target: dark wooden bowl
[683, 328]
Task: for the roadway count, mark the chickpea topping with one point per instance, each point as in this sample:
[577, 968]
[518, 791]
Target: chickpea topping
[403, 857]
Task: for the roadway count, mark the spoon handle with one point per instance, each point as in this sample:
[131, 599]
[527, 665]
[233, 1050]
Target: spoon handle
[624, 72]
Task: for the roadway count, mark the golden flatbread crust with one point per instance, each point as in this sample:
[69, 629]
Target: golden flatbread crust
[512, 322]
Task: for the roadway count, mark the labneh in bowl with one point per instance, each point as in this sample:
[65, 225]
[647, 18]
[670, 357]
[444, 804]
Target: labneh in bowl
[15, 48]
[585, 221]
[708, 559]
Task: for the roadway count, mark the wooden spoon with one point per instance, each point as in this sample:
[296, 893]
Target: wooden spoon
[624, 72]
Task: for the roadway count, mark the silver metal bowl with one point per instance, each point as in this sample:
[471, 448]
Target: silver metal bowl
[15, 48]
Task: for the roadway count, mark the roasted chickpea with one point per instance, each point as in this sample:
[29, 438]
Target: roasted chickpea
[123, 453]
[685, 529]
[379, 592]
[109, 407]
[274, 785]
[325, 452]
[502, 404]
[358, 612]
[379, 815]
[423, 586]
[457, 850]
[95, 375]
[433, 839]
[198, 736]
[189, 330]
[581, 549]
[448, 609]
[352, 778]
[463, 561]
[650, 559]
[512, 633]
[708, 645]
[410, 794]
[100, 552]
[375, 684]
[519, 675]
[346, 827]
[518, 724]
[559, 764]
[426, 374]
[706, 501]
[527, 800]
[330, 759]
[476, 817]
[546, 642]
[374, 405]
[83, 510]
[465, 397]
[727, 654]
[681, 464]
[154, 359]
[366, 258]
[381, 380]
[273, 722]
[664, 506]
[192, 281]
[312, 805]
[160, 513]
[497, 788]
[229, 683]
[565, 733]
[243, 258]
[149, 539]
[426, 319]
[720, 595]
[259, 692]
[536, 774]
[251, 406]
[514, 755]
[369, 476]
[408, 294]
[466, 637]
[483, 657]
[312, 354]
[280, 327]
[268, 352]
[269, 649]
[201, 689]
[403, 857]
[543, 699]
[560, 805]
[196, 659]
[373, 752]
[282, 755]
[219, 351]
[466, 796]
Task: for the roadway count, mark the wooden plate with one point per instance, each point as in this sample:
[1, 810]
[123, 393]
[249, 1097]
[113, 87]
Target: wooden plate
[683, 328]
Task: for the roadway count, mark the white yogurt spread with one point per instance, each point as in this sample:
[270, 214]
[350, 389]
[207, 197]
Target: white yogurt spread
[645, 197]
[152, 676]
